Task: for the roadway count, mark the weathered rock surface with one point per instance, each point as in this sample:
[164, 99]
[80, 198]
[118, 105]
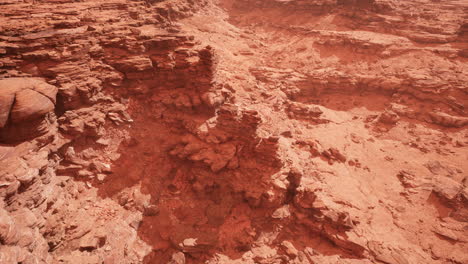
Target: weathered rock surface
[24, 103]
[233, 131]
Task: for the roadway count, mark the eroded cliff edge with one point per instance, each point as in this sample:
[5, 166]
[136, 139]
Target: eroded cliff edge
[233, 131]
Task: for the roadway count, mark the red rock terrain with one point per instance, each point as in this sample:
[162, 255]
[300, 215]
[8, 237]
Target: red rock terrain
[233, 131]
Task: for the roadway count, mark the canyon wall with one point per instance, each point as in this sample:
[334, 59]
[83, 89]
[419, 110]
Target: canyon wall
[233, 131]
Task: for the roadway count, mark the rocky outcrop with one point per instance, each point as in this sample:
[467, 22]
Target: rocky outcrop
[232, 132]
[53, 105]
[27, 108]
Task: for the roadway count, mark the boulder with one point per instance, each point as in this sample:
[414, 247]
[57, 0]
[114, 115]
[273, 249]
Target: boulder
[24, 105]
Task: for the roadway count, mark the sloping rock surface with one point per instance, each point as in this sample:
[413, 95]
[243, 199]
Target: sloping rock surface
[233, 131]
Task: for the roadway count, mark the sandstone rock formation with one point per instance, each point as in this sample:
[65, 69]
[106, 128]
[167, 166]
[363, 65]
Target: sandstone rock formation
[233, 131]
[24, 104]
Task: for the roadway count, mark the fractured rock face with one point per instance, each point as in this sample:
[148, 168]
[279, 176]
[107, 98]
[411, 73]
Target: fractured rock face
[233, 131]
[24, 104]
